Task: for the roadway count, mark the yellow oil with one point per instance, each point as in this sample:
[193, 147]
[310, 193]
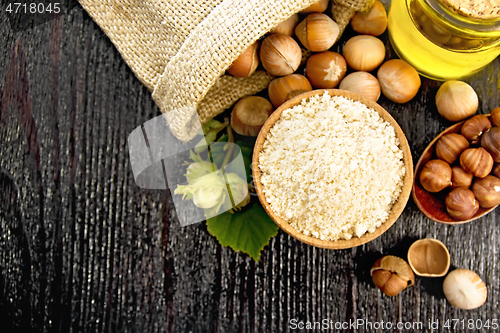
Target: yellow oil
[437, 59]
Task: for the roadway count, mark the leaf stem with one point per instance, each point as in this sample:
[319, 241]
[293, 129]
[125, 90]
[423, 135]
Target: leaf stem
[231, 147]
[217, 130]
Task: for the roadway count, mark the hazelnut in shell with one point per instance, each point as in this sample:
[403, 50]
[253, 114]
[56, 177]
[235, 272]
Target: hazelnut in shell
[249, 114]
[461, 204]
[490, 141]
[392, 275]
[476, 161]
[456, 100]
[450, 146]
[429, 257]
[464, 289]
[246, 63]
[317, 32]
[364, 52]
[372, 22]
[280, 54]
[435, 176]
[474, 127]
[399, 81]
[317, 7]
[487, 191]
[287, 27]
[283, 88]
[362, 83]
[326, 69]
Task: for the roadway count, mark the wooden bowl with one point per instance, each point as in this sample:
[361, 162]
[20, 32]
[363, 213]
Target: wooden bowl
[432, 204]
[398, 207]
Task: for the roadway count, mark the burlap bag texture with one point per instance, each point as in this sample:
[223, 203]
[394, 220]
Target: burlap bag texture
[180, 49]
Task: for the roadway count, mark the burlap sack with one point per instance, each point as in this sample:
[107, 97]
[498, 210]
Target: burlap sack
[180, 49]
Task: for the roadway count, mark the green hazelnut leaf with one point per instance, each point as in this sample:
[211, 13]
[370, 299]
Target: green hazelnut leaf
[248, 231]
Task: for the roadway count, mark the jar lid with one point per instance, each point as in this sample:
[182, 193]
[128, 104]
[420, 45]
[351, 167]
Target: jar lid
[475, 9]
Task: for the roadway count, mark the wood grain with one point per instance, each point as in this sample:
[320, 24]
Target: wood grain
[83, 249]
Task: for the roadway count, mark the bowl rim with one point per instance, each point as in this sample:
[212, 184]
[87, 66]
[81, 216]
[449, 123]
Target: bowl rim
[397, 208]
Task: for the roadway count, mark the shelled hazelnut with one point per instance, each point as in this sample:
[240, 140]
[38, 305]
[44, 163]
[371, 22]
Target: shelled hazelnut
[450, 146]
[474, 127]
[435, 175]
[461, 204]
[476, 161]
[487, 191]
[490, 141]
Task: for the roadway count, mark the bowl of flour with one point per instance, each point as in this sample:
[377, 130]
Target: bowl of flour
[332, 169]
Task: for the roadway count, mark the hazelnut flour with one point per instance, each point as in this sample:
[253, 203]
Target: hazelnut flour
[332, 168]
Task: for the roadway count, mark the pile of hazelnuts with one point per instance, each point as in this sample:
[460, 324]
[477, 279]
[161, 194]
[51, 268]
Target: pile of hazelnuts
[468, 166]
[306, 39]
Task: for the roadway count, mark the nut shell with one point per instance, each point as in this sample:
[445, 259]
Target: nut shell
[362, 83]
[283, 88]
[487, 191]
[280, 54]
[461, 204]
[399, 81]
[474, 127]
[392, 275]
[476, 161]
[435, 176]
[317, 32]
[287, 27]
[372, 22]
[429, 257]
[249, 114]
[450, 146]
[364, 52]
[317, 7]
[326, 69]
[246, 63]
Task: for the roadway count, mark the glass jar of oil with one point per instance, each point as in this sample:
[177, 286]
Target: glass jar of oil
[444, 40]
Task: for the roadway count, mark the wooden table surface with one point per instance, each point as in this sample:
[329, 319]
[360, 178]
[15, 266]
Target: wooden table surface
[84, 249]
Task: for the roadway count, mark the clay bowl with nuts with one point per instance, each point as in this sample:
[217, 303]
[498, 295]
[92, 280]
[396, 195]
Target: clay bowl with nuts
[397, 207]
[433, 204]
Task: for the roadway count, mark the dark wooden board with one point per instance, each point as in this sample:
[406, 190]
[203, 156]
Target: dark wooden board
[83, 249]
